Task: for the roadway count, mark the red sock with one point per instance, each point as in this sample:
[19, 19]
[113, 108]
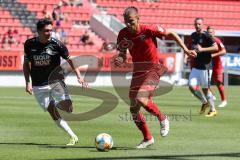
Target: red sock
[153, 109]
[221, 91]
[140, 122]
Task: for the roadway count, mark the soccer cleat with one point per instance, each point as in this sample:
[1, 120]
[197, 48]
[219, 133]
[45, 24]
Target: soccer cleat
[164, 127]
[211, 114]
[145, 143]
[203, 108]
[73, 141]
[223, 104]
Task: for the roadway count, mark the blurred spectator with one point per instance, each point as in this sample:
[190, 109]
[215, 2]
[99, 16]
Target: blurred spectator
[46, 13]
[74, 2]
[85, 39]
[63, 36]
[93, 1]
[108, 46]
[10, 37]
[58, 15]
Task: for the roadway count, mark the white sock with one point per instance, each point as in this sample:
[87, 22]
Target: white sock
[211, 103]
[63, 124]
[211, 94]
[200, 96]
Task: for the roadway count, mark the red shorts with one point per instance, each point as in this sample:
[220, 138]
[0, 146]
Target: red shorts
[146, 80]
[217, 76]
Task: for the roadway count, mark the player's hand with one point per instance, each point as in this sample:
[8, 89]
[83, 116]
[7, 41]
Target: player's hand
[192, 53]
[29, 88]
[83, 83]
[118, 61]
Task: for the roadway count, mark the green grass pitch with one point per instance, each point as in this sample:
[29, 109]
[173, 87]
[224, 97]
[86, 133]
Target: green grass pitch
[26, 132]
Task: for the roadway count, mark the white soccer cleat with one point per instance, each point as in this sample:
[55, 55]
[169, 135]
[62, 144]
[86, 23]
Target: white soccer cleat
[73, 141]
[223, 104]
[145, 144]
[164, 127]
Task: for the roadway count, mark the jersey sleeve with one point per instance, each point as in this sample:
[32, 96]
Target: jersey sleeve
[122, 42]
[157, 31]
[63, 51]
[219, 43]
[27, 51]
[210, 40]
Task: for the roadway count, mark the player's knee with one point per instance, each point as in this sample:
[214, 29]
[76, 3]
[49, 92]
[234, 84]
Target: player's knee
[65, 105]
[53, 111]
[192, 88]
[206, 91]
[142, 100]
[51, 106]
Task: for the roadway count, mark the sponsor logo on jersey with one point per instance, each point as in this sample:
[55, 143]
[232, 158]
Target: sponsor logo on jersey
[142, 37]
[41, 60]
[49, 51]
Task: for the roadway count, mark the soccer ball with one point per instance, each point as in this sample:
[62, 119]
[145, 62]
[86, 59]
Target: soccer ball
[103, 142]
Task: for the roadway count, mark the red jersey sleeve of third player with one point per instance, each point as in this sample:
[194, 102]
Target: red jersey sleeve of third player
[216, 61]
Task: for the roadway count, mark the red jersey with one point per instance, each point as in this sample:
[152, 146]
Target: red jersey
[216, 61]
[143, 44]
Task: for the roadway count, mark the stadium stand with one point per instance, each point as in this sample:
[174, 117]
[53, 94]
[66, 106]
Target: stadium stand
[18, 19]
[180, 14]
[22, 15]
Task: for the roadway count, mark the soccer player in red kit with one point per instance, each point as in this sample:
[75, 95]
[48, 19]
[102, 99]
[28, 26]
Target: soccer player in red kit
[141, 42]
[217, 66]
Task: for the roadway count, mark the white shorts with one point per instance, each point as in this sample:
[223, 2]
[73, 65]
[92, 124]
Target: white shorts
[55, 92]
[199, 77]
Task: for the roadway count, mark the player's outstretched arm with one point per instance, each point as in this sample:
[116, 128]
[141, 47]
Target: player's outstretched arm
[26, 71]
[213, 48]
[220, 53]
[77, 72]
[176, 37]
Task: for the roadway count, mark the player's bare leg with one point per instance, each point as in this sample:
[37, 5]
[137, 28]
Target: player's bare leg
[198, 94]
[212, 112]
[195, 90]
[61, 122]
[144, 98]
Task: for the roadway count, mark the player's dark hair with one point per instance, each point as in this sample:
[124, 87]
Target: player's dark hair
[130, 10]
[210, 27]
[42, 23]
[198, 18]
